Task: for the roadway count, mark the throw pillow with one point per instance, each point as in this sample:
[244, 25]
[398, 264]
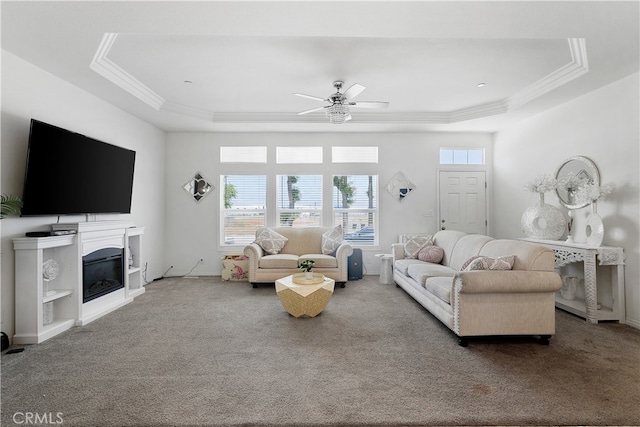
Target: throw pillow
[430, 253]
[487, 263]
[413, 244]
[469, 261]
[271, 241]
[332, 239]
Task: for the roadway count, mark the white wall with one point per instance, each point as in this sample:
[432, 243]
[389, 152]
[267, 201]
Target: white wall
[602, 125]
[192, 228]
[29, 92]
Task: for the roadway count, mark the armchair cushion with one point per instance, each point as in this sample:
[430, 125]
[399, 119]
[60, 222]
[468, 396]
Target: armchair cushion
[322, 261]
[278, 261]
[271, 241]
[332, 239]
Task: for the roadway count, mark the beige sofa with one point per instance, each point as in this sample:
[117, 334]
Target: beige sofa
[302, 243]
[520, 301]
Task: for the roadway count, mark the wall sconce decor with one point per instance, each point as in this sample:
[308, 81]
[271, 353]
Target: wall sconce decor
[198, 187]
[399, 186]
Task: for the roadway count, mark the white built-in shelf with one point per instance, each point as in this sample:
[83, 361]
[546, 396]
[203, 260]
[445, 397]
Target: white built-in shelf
[59, 293]
[64, 296]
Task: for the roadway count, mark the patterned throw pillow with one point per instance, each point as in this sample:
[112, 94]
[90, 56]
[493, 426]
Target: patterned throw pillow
[430, 253]
[487, 263]
[332, 239]
[413, 244]
[271, 241]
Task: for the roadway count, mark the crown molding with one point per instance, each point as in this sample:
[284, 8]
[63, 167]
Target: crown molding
[118, 76]
[578, 66]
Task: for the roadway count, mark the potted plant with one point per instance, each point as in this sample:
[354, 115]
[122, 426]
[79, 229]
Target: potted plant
[307, 266]
[10, 205]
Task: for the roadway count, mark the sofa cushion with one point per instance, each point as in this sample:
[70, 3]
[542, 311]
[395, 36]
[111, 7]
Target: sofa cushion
[321, 260]
[305, 240]
[271, 241]
[402, 265]
[431, 254]
[332, 239]
[466, 247]
[278, 261]
[488, 263]
[447, 239]
[413, 244]
[424, 270]
[440, 287]
[529, 256]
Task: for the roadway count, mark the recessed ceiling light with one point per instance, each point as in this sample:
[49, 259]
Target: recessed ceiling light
[188, 81]
[481, 84]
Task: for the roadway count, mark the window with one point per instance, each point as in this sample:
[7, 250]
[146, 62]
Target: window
[299, 200]
[354, 154]
[298, 155]
[243, 154]
[462, 156]
[355, 206]
[243, 208]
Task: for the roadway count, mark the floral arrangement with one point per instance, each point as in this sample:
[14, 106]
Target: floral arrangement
[307, 265]
[542, 184]
[591, 192]
[571, 182]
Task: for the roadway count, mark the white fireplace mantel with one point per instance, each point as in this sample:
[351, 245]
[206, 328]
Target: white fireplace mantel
[64, 299]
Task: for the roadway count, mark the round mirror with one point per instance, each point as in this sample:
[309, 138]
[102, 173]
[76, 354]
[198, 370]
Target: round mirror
[571, 175]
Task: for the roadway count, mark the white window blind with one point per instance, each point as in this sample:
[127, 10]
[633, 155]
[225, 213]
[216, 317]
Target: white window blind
[298, 155]
[354, 154]
[355, 206]
[299, 200]
[247, 154]
[243, 207]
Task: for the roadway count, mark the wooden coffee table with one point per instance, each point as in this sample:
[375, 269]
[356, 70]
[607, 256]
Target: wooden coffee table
[306, 298]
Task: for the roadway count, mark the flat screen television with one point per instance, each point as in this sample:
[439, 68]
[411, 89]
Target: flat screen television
[68, 173]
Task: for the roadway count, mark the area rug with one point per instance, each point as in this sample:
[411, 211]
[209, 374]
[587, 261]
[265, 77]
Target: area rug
[203, 352]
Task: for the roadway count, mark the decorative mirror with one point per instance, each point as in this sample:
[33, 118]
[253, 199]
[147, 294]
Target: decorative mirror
[399, 186]
[197, 187]
[571, 175]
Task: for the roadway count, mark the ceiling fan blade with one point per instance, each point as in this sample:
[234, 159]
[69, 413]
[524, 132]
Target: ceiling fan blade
[311, 110]
[310, 97]
[369, 104]
[354, 91]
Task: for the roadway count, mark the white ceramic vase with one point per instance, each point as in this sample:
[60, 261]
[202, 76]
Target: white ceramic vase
[543, 221]
[594, 229]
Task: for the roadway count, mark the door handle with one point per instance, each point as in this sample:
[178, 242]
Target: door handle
[443, 227]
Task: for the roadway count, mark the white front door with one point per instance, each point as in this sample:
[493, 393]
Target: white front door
[463, 201]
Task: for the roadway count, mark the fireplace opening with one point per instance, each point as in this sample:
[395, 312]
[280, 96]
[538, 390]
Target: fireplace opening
[102, 273]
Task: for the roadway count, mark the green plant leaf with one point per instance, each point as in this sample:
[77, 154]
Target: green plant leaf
[11, 205]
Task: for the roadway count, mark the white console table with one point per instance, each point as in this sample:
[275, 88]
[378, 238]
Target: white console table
[592, 257]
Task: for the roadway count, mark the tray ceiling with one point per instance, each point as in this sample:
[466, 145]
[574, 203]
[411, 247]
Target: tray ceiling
[161, 62]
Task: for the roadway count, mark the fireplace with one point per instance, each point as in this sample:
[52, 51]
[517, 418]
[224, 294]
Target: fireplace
[102, 273]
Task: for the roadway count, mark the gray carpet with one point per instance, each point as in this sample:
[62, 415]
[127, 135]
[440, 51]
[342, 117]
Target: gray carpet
[201, 352]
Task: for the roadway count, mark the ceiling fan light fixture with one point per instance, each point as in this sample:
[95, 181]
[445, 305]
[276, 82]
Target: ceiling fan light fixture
[338, 113]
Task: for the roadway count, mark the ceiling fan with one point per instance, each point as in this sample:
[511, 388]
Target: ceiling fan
[339, 109]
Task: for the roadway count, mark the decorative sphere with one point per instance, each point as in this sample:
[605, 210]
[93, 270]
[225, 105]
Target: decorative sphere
[543, 221]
